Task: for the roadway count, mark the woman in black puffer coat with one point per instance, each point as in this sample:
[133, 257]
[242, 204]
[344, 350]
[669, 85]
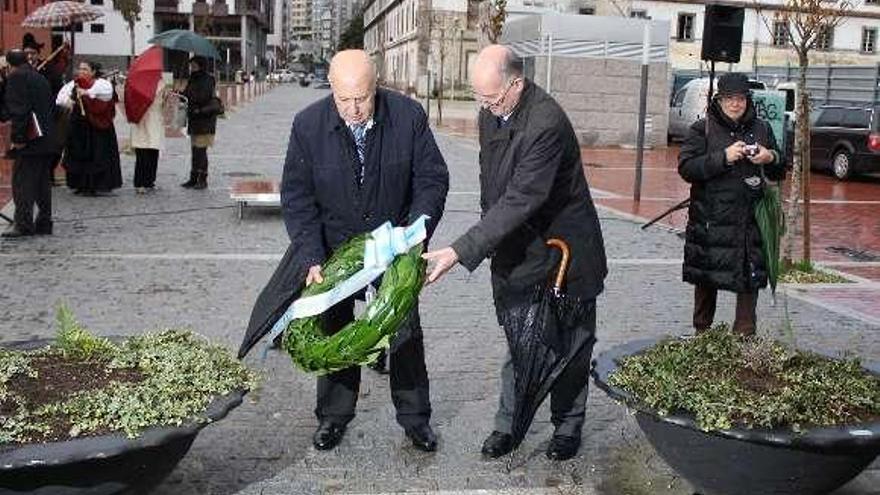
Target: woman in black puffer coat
[727, 159]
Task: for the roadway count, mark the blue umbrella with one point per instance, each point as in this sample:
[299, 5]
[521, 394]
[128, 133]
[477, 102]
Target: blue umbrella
[185, 41]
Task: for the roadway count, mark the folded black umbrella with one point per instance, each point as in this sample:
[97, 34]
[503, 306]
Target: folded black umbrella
[542, 340]
[282, 289]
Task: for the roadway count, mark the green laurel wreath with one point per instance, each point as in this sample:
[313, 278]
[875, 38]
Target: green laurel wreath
[360, 341]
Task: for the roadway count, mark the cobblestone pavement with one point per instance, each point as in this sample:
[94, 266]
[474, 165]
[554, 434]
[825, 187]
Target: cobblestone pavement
[130, 263]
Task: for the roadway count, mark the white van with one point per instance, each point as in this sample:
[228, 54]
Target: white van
[689, 105]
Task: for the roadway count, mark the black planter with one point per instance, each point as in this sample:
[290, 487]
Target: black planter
[102, 465]
[747, 461]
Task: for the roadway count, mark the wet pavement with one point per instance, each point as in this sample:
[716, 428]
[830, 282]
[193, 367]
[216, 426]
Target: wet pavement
[127, 263]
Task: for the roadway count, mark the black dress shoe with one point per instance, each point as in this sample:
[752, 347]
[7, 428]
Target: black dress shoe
[14, 233]
[562, 448]
[327, 436]
[44, 228]
[422, 437]
[497, 444]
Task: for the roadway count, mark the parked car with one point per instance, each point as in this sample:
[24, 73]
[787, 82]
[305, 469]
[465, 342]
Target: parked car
[281, 76]
[845, 140]
[689, 105]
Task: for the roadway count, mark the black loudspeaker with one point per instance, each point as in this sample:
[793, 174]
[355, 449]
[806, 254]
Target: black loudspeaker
[722, 33]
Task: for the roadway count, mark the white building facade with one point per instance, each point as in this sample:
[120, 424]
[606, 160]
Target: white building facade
[238, 28]
[422, 44]
[854, 41]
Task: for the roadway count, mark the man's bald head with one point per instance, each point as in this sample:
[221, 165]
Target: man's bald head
[496, 79]
[352, 67]
[353, 81]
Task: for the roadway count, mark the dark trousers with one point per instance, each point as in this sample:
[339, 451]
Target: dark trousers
[568, 398]
[145, 164]
[30, 185]
[705, 300]
[200, 160]
[338, 392]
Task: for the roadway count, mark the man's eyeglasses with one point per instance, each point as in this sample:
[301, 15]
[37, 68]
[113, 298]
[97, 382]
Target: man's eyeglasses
[492, 105]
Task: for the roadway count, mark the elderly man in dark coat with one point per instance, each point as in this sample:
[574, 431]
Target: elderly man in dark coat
[27, 107]
[727, 158]
[356, 159]
[532, 188]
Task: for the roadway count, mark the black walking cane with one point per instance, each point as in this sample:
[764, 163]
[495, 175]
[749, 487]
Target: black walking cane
[4, 217]
[684, 204]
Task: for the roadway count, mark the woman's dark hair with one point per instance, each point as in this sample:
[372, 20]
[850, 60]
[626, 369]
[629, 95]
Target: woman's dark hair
[201, 62]
[95, 66]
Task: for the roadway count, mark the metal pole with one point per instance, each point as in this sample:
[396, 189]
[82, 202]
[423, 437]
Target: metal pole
[643, 102]
[549, 60]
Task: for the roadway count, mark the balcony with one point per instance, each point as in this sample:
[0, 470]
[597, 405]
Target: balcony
[166, 6]
[200, 7]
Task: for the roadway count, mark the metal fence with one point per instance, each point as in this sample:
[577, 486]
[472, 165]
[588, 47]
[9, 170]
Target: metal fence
[827, 84]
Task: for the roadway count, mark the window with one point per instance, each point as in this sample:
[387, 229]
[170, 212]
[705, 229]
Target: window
[679, 97]
[586, 11]
[830, 117]
[96, 28]
[825, 40]
[855, 118]
[639, 14]
[869, 40]
[780, 33]
[97, 2]
[685, 27]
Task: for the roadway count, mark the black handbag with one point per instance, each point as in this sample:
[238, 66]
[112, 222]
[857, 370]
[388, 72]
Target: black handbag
[214, 108]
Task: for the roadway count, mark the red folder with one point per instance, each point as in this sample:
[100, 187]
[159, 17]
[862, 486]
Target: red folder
[34, 130]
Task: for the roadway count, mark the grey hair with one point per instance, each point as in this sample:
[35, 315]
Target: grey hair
[512, 67]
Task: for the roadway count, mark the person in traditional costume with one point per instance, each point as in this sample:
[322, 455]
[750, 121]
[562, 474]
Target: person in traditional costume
[92, 151]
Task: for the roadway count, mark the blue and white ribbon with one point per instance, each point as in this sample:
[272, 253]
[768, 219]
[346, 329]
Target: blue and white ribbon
[385, 244]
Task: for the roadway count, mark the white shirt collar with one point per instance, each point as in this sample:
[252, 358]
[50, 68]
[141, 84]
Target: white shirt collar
[367, 125]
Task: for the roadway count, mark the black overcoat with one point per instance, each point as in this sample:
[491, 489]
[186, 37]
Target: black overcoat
[28, 92]
[722, 241]
[323, 204]
[532, 188]
[199, 91]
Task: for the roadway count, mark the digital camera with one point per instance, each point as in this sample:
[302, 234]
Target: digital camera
[751, 149]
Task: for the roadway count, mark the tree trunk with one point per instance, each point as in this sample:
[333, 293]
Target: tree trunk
[794, 198]
[131, 35]
[804, 131]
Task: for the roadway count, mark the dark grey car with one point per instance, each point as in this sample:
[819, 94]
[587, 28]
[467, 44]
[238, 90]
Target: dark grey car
[846, 140]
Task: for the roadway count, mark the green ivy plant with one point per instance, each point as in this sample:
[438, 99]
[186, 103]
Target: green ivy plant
[805, 272]
[726, 380]
[179, 374]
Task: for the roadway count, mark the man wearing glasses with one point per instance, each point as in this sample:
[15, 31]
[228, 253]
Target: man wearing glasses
[357, 158]
[532, 188]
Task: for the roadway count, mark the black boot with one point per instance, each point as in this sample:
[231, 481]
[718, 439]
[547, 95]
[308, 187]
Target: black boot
[200, 164]
[192, 180]
[195, 165]
[201, 180]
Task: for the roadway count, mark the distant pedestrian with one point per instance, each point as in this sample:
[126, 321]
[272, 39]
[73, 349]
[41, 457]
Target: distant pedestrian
[27, 104]
[147, 139]
[202, 120]
[92, 151]
[727, 158]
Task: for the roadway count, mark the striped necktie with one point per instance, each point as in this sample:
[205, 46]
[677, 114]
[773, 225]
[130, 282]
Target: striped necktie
[359, 131]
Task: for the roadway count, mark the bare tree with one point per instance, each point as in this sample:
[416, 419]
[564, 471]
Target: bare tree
[492, 14]
[803, 23]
